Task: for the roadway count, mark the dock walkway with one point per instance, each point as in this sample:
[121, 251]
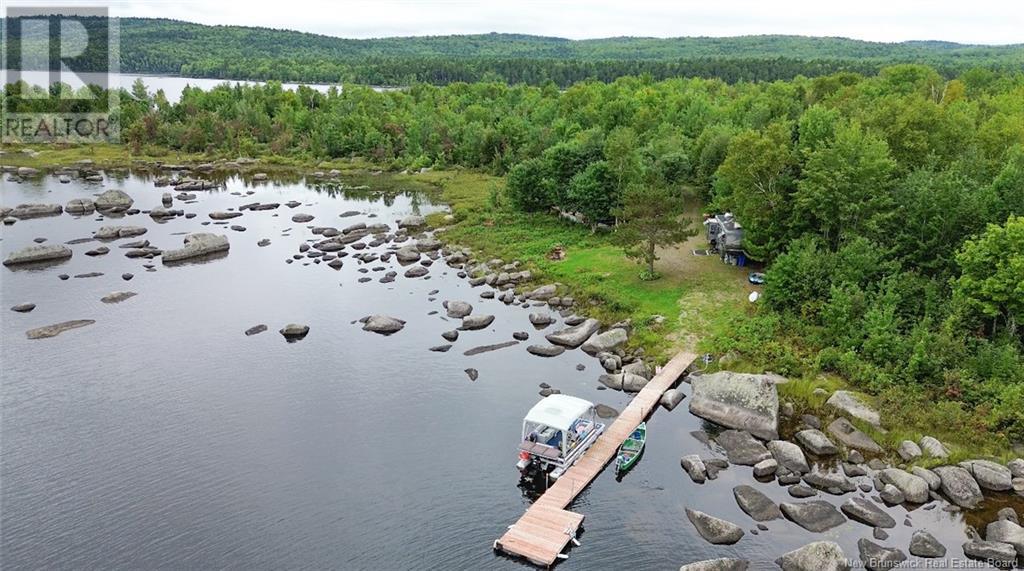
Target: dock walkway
[543, 532]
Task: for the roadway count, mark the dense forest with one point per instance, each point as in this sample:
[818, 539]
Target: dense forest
[888, 207]
[161, 46]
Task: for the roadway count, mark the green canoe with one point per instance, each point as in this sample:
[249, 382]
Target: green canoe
[630, 450]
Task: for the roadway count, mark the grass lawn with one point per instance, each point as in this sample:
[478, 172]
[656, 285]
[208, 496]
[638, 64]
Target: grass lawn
[604, 282]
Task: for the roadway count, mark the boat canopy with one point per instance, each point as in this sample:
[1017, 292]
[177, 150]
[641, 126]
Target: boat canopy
[558, 411]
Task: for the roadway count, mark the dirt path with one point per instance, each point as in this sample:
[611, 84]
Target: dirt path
[711, 286]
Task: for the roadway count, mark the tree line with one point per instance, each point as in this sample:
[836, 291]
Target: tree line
[887, 207]
[161, 46]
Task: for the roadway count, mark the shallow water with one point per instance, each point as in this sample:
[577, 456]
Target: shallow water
[162, 436]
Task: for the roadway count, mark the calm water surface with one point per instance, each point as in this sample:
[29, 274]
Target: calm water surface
[171, 85]
[163, 437]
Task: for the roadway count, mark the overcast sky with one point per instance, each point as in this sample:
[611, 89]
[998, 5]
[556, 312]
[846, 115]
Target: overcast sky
[966, 21]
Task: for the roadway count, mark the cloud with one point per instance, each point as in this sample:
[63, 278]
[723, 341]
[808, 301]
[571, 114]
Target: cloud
[978, 21]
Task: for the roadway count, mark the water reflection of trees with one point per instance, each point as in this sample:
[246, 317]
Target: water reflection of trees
[353, 187]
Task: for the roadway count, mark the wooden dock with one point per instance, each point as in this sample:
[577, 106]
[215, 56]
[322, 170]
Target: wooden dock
[543, 532]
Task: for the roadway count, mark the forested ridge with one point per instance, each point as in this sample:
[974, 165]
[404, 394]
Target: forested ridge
[888, 207]
[163, 46]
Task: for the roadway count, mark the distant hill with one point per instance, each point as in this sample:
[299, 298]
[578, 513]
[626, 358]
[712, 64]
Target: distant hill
[173, 47]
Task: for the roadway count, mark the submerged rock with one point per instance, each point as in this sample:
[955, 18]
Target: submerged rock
[255, 329]
[737, 400]
[723, 564]
[488, 348]
[117, 296]
[23, 307]
[57, 328]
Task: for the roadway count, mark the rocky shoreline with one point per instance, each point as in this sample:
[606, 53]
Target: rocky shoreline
[747, 407]
[833, 458]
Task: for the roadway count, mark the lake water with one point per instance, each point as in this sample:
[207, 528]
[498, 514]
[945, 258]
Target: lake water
[163, 437]
[171, 85]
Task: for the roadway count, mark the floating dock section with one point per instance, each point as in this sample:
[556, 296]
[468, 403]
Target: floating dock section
[544, 531]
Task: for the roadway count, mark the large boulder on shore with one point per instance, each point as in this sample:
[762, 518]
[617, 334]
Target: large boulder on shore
[844, 431]
[113, 200]
[817, 556]
[543, 293]
[412, 221]
[197, 245]
[738, 400]
[914, 488]
[989, 475]
[573, 337]
[383, 324]
[1005, 531]
[959, 486]
[854, 406]
[789, 456]
[40, 253]
[609, 341]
